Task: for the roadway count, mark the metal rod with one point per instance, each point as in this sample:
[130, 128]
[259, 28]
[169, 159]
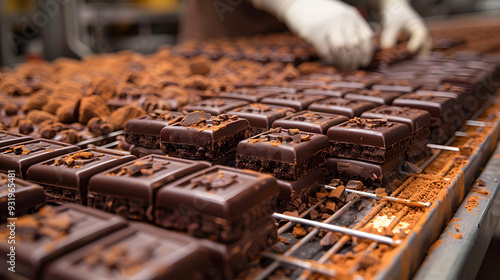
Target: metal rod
[356, 233]
[461, 134]
[477, 123]
[442, 147]
[84, 143]
[309, 265]
[110, 145]
[288, 225]
[374, 196]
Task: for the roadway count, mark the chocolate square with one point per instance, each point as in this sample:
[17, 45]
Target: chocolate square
[145, 131]
[254, 95]
[53, 232]
[138, 251]
[201, 136]
[65, 178]
[19, 157]
[286, 153]
[129, 190]
[375, 96]
[373, 140]
[261, 116]
[221, 202]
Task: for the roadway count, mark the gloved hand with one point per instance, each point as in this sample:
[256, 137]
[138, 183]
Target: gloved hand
[399, 16]
[336, 30]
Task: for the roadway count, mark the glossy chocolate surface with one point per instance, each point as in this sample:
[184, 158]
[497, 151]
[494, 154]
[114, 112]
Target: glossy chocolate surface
[219, 191]
[254, 95]
[138, 251]
[8, 138]
[141, 178]
[215, 106]
[396, 85]
[261, 115]
[309, 121]
[369, 132]
[283, 145]
[73, 171]
[298, 101]
[415, 119]
[342, 106]
[19, 157]
[376, 96]
[53, 232]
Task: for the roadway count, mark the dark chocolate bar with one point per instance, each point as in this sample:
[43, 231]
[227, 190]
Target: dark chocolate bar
[298, 101]
[373, 140]
[219, 202]
[330, 91]
[130, 189]
[294, 194]
[18, 197]
[52, 232]
[145, 131]
[138, 251]
[66, 178]
[309, 121]
[375, 96]
[418, 121]
[261, 116]
[373, 175]
[8, 138]
[286, 153]
[215, 106]
[19, 157]
[201, 136]
[443, 116]
[341, 106]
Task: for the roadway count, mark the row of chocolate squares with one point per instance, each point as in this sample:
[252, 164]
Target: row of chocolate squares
[71, 241]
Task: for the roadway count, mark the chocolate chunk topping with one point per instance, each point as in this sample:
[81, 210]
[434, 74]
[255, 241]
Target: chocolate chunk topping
[141, 167]
[195, 118]
[367, 123]
[77, 159]
[221, 180]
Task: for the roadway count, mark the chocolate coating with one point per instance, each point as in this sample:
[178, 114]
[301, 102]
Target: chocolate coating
[146, 131]
[437, 106]
[415, 119]
[28, 197]
[375, 96]
[254, 95]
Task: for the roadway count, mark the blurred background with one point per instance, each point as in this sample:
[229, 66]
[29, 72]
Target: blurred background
[49, 29]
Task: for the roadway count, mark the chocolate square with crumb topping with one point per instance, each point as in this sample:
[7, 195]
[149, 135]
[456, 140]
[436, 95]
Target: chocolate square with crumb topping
[129, 190]
[65, 178]
[145, 131]
[8, 138]
[221, 202]
[19, 157]
[374, 140]
[53, 232]
[138, 251]
[261, 116]
[298, 101]
[286, 153]
[28, 197]
[202, 136]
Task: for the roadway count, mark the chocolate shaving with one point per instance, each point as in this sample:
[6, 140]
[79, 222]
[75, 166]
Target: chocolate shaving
[210, 182]
[77, 159]
[195, 118]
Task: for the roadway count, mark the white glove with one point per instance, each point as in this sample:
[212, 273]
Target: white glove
[399, 16]
[336, 30]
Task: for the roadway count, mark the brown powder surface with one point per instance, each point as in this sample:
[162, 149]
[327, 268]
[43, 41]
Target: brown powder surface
[472, 203]
[458, 236]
